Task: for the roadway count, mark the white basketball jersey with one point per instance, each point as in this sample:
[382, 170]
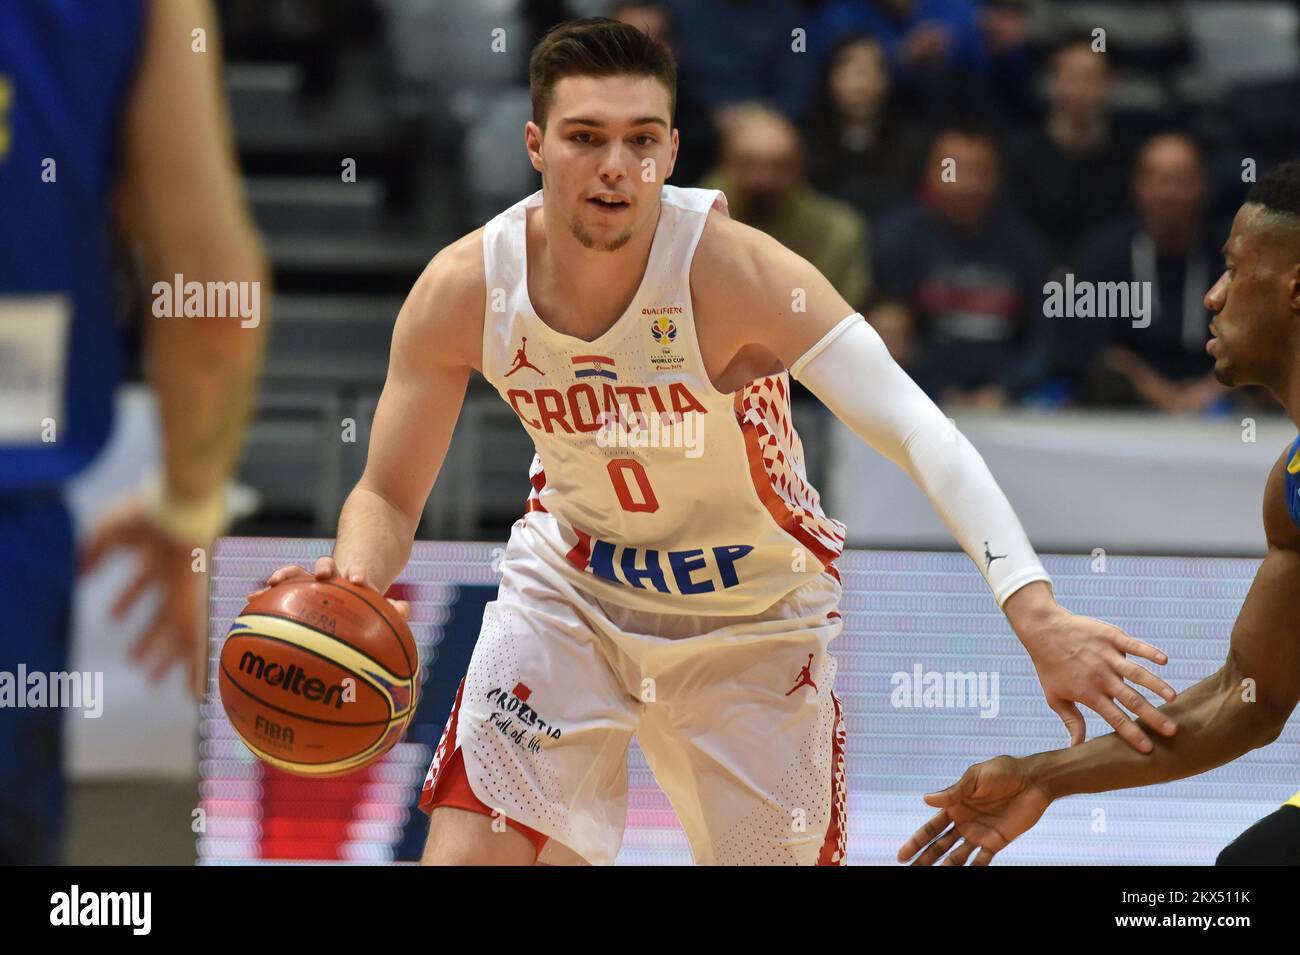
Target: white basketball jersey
[652, 489]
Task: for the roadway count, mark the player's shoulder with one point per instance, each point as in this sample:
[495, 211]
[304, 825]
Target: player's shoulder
[1282, 500]
[746, 278]
[448, 300]
[456, 275]
[734, 261]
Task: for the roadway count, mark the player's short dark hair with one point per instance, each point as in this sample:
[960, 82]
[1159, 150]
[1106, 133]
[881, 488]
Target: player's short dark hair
[1279, 189]
[596, 46]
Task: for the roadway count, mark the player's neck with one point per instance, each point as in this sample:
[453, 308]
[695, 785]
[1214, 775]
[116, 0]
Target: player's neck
[591, 282]
[1287, 392]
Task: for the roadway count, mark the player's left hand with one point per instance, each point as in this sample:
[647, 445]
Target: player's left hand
[1081, 660]
[992, 804]
[175, 636]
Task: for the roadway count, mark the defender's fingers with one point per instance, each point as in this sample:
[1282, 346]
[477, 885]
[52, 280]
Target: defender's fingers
[959, 855]
[921, 838]
[128, 597]
[935, 850]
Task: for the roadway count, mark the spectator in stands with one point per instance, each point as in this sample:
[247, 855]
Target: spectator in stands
[698, 136]
[895, 323]
[1172, 248]
[1004, 25]
[732, 52]
[762, 175]
[1072, 172]
[938, 50]
[861, 148]
[972, 271]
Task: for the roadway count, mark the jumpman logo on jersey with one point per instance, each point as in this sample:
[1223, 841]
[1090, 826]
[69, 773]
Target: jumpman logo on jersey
[805, 677]
[989, 558]
[521, 360]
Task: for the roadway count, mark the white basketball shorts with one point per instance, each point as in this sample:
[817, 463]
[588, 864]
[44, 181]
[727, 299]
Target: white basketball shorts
[736, 717]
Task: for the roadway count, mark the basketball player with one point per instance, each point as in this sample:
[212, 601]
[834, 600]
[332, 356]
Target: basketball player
[102, 102]
[647, 591]
[1255, 339]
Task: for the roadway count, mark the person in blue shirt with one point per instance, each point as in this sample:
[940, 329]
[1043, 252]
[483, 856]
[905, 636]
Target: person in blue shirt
[112, 120]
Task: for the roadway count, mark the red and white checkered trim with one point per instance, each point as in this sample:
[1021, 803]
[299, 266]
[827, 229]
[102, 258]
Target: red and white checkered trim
[835, 850]
[445, 745]
[777, 467]
[537, 478]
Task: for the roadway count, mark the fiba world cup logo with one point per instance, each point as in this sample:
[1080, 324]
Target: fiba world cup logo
[663, 330]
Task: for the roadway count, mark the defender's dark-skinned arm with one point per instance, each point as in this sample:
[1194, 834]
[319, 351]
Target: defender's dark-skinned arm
[1241, 707]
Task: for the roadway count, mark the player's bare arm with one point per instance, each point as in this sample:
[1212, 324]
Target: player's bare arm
[782, 309]
[181, 204]
[437, 341]
[1241, 707]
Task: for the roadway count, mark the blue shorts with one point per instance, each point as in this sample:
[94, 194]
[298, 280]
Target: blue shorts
[37, 571]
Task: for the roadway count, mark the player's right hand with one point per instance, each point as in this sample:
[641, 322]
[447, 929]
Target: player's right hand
[326, 570]
[992, 804]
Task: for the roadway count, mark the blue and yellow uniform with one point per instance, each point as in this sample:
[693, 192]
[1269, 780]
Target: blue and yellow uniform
[66, 72]
[1292, 478]
[1275, 839]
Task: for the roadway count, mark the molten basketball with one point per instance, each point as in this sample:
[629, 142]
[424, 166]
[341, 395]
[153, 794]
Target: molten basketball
[319, 677]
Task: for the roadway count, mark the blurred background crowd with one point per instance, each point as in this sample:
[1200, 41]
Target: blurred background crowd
[1093, 141]
[1107, 141]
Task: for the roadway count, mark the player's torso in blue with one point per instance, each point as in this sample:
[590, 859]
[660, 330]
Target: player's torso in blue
[66, 72]
[1292, 477]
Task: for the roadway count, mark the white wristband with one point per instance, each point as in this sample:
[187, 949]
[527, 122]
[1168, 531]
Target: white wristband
[193, 522]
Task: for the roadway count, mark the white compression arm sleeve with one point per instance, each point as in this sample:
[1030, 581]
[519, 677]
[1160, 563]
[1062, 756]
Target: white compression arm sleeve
[851, 371]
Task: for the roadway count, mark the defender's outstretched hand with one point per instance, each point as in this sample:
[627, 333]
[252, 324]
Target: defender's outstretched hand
[992, 804]
[176, 635]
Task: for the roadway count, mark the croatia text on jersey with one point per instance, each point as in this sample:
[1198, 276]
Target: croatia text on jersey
[581, 409]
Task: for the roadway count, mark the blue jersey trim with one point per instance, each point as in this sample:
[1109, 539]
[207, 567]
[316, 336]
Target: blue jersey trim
[1292, 475]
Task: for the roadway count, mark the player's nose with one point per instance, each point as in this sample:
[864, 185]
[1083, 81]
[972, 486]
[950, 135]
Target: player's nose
[613, 166]
[1214, 297]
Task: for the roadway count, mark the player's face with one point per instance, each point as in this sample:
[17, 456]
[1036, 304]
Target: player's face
[1254, 302]
[607, 149]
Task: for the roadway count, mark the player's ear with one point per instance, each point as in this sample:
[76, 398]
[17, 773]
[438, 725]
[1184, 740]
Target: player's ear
[533, 143]
[672, 156]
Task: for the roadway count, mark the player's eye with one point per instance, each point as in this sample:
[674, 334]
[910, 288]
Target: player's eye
[648, 139]
[581, 137]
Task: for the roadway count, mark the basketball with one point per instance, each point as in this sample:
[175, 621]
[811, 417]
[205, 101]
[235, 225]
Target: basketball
[319, 677]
